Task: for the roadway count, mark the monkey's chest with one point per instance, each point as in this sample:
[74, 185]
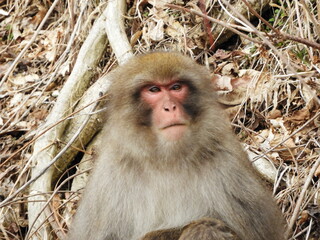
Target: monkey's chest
[166, 202]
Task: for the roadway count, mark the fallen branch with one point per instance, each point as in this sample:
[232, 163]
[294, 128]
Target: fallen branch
[73, 90]
[43, 170]
[79, 80]
[116, 32]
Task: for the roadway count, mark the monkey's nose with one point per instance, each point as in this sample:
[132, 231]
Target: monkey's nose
[169, 107]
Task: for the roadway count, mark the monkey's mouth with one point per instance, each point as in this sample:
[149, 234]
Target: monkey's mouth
[174, 125]
[174, 131]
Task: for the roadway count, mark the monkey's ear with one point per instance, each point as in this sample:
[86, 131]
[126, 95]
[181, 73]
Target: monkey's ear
[104, 99]
[103, 105]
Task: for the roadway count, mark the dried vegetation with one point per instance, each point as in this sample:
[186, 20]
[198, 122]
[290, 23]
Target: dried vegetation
[267, 72]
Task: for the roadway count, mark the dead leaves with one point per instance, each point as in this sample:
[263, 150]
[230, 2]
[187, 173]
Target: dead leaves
[280, 107]
[172, 26]
[23, 97]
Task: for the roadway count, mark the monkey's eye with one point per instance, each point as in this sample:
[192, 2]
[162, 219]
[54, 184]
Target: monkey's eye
[176, 87]
[154, 89]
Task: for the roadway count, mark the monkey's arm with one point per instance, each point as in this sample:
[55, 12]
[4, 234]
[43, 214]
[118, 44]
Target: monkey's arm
[163, 234]
[203, 229]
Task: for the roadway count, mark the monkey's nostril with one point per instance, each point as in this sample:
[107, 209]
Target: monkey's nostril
[170, 108]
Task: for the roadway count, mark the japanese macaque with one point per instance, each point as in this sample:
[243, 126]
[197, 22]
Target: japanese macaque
[170, 166]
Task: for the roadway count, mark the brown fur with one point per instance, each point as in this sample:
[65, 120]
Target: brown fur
[142, 183]
[203, 229]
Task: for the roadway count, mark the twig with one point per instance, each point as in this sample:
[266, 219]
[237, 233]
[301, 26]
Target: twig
[49, 164]
[254, 12]
[279, 34]
[286, 36]
[301, 196]
[49, 214]
[226, 25]
[290, 136]
[47, 129]
[207, 24]
[289, 64]
[52, 77]
[17, 59]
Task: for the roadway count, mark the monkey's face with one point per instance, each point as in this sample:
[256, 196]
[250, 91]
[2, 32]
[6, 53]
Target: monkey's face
[159, 100]
[168, 115]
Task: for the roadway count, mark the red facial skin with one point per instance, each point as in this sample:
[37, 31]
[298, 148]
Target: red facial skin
[168, 115]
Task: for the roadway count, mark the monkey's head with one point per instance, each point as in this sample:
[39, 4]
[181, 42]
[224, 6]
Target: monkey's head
[164, 95]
